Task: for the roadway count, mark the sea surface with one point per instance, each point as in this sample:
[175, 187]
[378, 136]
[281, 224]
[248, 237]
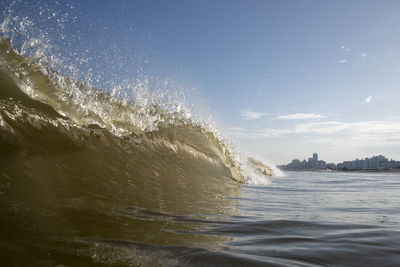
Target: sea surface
[319, 219]
[299, 219]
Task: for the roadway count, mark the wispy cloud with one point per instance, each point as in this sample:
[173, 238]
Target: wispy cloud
[345, 48]
[367, 100]
[300, 116]
[346, 136]
[334, 127]
[349, 134]
[356, 134]
[341, 61]
[251, 115]
[330, 127]
[364, 54]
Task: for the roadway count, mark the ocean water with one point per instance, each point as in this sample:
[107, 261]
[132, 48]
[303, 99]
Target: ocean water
[319, 219]
[129, 172]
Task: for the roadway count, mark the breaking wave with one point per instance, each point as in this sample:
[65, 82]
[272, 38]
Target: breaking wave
[83, 169]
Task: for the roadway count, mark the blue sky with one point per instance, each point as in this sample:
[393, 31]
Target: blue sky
[283, 78]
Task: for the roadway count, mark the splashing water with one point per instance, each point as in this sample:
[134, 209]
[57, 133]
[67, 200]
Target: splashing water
[47, 73]
[88, 162]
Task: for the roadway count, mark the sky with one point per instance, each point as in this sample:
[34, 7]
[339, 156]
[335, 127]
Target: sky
[284, 79]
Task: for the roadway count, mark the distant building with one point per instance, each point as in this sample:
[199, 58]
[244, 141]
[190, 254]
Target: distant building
[375, 163]
[311, 164]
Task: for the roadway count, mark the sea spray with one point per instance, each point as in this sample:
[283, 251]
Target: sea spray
[45, 72]
[52, 70]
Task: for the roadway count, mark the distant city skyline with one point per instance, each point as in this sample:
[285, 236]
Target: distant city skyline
[345, 159]
[379, 162]
[316, 156]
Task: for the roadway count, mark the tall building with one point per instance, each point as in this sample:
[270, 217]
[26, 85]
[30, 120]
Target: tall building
[311, 164]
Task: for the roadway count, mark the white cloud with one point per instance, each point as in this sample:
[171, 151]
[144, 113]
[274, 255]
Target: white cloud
[345, 48]
[368, 100]
[330, 127]
[300, 116]
[346, 138]
[342, 61]
[251, 115]
[336, 135]
[358, 134]
[349, 135]
[334, 127]
[364, 54]
[238, 129]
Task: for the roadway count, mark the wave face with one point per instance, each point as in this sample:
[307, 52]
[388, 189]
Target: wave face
[80, 168]
[126, 175]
